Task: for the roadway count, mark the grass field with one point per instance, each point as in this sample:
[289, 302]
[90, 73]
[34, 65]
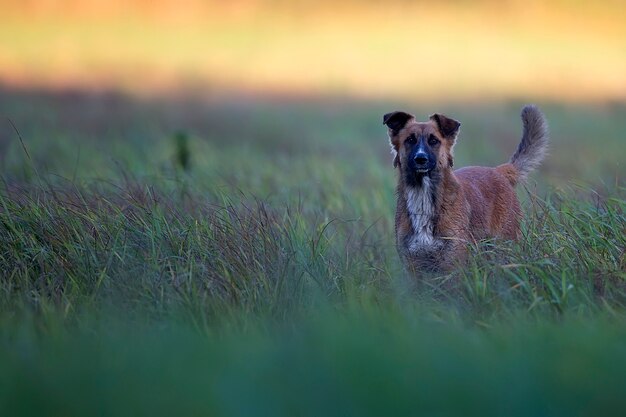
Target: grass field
[197, 200]
[235, 257]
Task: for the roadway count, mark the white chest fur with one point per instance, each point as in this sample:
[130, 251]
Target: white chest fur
[421, 208]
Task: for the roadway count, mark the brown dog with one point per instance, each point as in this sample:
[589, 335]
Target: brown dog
[439, 211]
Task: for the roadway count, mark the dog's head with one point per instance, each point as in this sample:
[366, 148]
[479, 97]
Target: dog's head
[421, 148]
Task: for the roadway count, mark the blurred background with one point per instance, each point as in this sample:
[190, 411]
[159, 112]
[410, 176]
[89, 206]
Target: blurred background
[419, 50]
[300, 77]
[100, 87]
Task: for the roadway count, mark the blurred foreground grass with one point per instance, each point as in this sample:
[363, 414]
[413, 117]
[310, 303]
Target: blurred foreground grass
[259, 276]
[365, 363]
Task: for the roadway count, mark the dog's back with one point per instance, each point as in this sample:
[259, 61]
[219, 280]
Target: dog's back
[492, 202]
[494, 208]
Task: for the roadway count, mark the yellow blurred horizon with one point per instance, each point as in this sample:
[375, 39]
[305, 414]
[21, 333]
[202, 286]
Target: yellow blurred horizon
[560, 50]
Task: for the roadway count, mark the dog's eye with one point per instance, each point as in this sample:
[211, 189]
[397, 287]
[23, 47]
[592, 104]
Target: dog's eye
[411, 140]
[432, 140]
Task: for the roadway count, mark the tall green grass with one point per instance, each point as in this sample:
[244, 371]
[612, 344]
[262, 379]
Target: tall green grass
[211, 266]
[70, 246]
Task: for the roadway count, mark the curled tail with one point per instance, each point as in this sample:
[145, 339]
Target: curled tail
[532, 149]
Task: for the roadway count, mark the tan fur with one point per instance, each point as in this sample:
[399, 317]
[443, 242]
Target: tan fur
[470, 203]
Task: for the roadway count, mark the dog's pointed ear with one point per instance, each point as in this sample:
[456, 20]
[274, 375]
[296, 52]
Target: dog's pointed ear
[448, 127]
[396, 120]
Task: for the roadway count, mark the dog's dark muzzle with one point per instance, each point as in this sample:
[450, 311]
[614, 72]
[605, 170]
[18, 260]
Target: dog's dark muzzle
[422, 162]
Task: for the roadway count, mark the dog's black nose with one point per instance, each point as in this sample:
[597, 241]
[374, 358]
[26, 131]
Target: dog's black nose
[421, 158]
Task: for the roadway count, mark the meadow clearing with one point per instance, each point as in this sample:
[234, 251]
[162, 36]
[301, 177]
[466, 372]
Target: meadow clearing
[208, 251]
